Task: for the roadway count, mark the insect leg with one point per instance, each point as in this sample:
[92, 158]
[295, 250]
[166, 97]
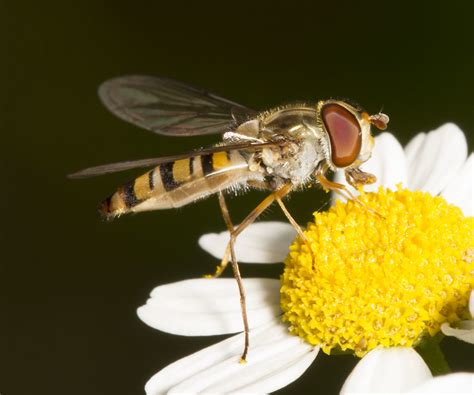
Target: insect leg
[294, 224]
[243, 303]
[264, 204]
[230, 227]
[356, 177]
[291, 220]
[278, 195]
[234, 232]
[338, 188]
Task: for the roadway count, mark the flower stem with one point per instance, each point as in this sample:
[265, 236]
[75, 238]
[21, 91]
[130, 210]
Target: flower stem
[432, 354]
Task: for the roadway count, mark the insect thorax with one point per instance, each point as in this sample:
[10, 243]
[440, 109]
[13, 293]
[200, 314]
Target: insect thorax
[302, 145]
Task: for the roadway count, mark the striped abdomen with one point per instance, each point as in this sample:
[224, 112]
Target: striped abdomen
[177, 183]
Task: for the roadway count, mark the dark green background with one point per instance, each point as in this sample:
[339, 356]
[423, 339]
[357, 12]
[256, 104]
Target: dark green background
[70, 283]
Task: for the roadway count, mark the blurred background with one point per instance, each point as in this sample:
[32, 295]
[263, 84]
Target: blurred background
[69, 282]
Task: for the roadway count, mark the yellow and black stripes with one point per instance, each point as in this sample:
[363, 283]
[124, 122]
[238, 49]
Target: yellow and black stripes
[142, 187]
[174, 174]
[167, 176]
[173, 183]
[206, 164]
[151, 179]
[214, 162]
[129, 196]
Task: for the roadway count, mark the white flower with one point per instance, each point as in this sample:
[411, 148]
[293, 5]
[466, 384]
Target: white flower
[434, 162]
[465, 329]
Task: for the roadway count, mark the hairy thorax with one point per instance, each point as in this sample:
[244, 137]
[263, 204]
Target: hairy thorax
[300, 151]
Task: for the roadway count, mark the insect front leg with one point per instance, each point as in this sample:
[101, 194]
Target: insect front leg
[343, 191]
[356, 177]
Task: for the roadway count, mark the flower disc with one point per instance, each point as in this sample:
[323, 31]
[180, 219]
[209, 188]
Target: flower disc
[379, 280]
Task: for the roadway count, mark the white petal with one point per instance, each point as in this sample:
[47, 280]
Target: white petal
[455, 383]
[275, 359]
[435, 158]
[387, 163]
[460, 190]
[262, 242]
[413, 149]
[387, 370]
[203, 307]
[340, 178]
[463, 331]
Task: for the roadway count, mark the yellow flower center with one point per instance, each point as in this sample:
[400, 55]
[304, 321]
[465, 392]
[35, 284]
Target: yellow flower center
[374, 280]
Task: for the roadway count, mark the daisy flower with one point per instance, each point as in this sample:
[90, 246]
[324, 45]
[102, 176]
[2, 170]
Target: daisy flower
[371, 285]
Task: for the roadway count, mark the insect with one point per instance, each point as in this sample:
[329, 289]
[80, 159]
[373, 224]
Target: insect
[279, 150]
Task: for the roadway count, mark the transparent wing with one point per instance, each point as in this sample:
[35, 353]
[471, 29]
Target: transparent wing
[169, 107]
[121, 166]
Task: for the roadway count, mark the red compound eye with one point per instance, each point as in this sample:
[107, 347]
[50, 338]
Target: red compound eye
[344, 133]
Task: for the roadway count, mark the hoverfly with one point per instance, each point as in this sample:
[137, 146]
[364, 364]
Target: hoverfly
[279, 150]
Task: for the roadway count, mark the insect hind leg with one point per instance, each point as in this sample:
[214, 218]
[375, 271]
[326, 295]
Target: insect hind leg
[230, 250]
[230, 227]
